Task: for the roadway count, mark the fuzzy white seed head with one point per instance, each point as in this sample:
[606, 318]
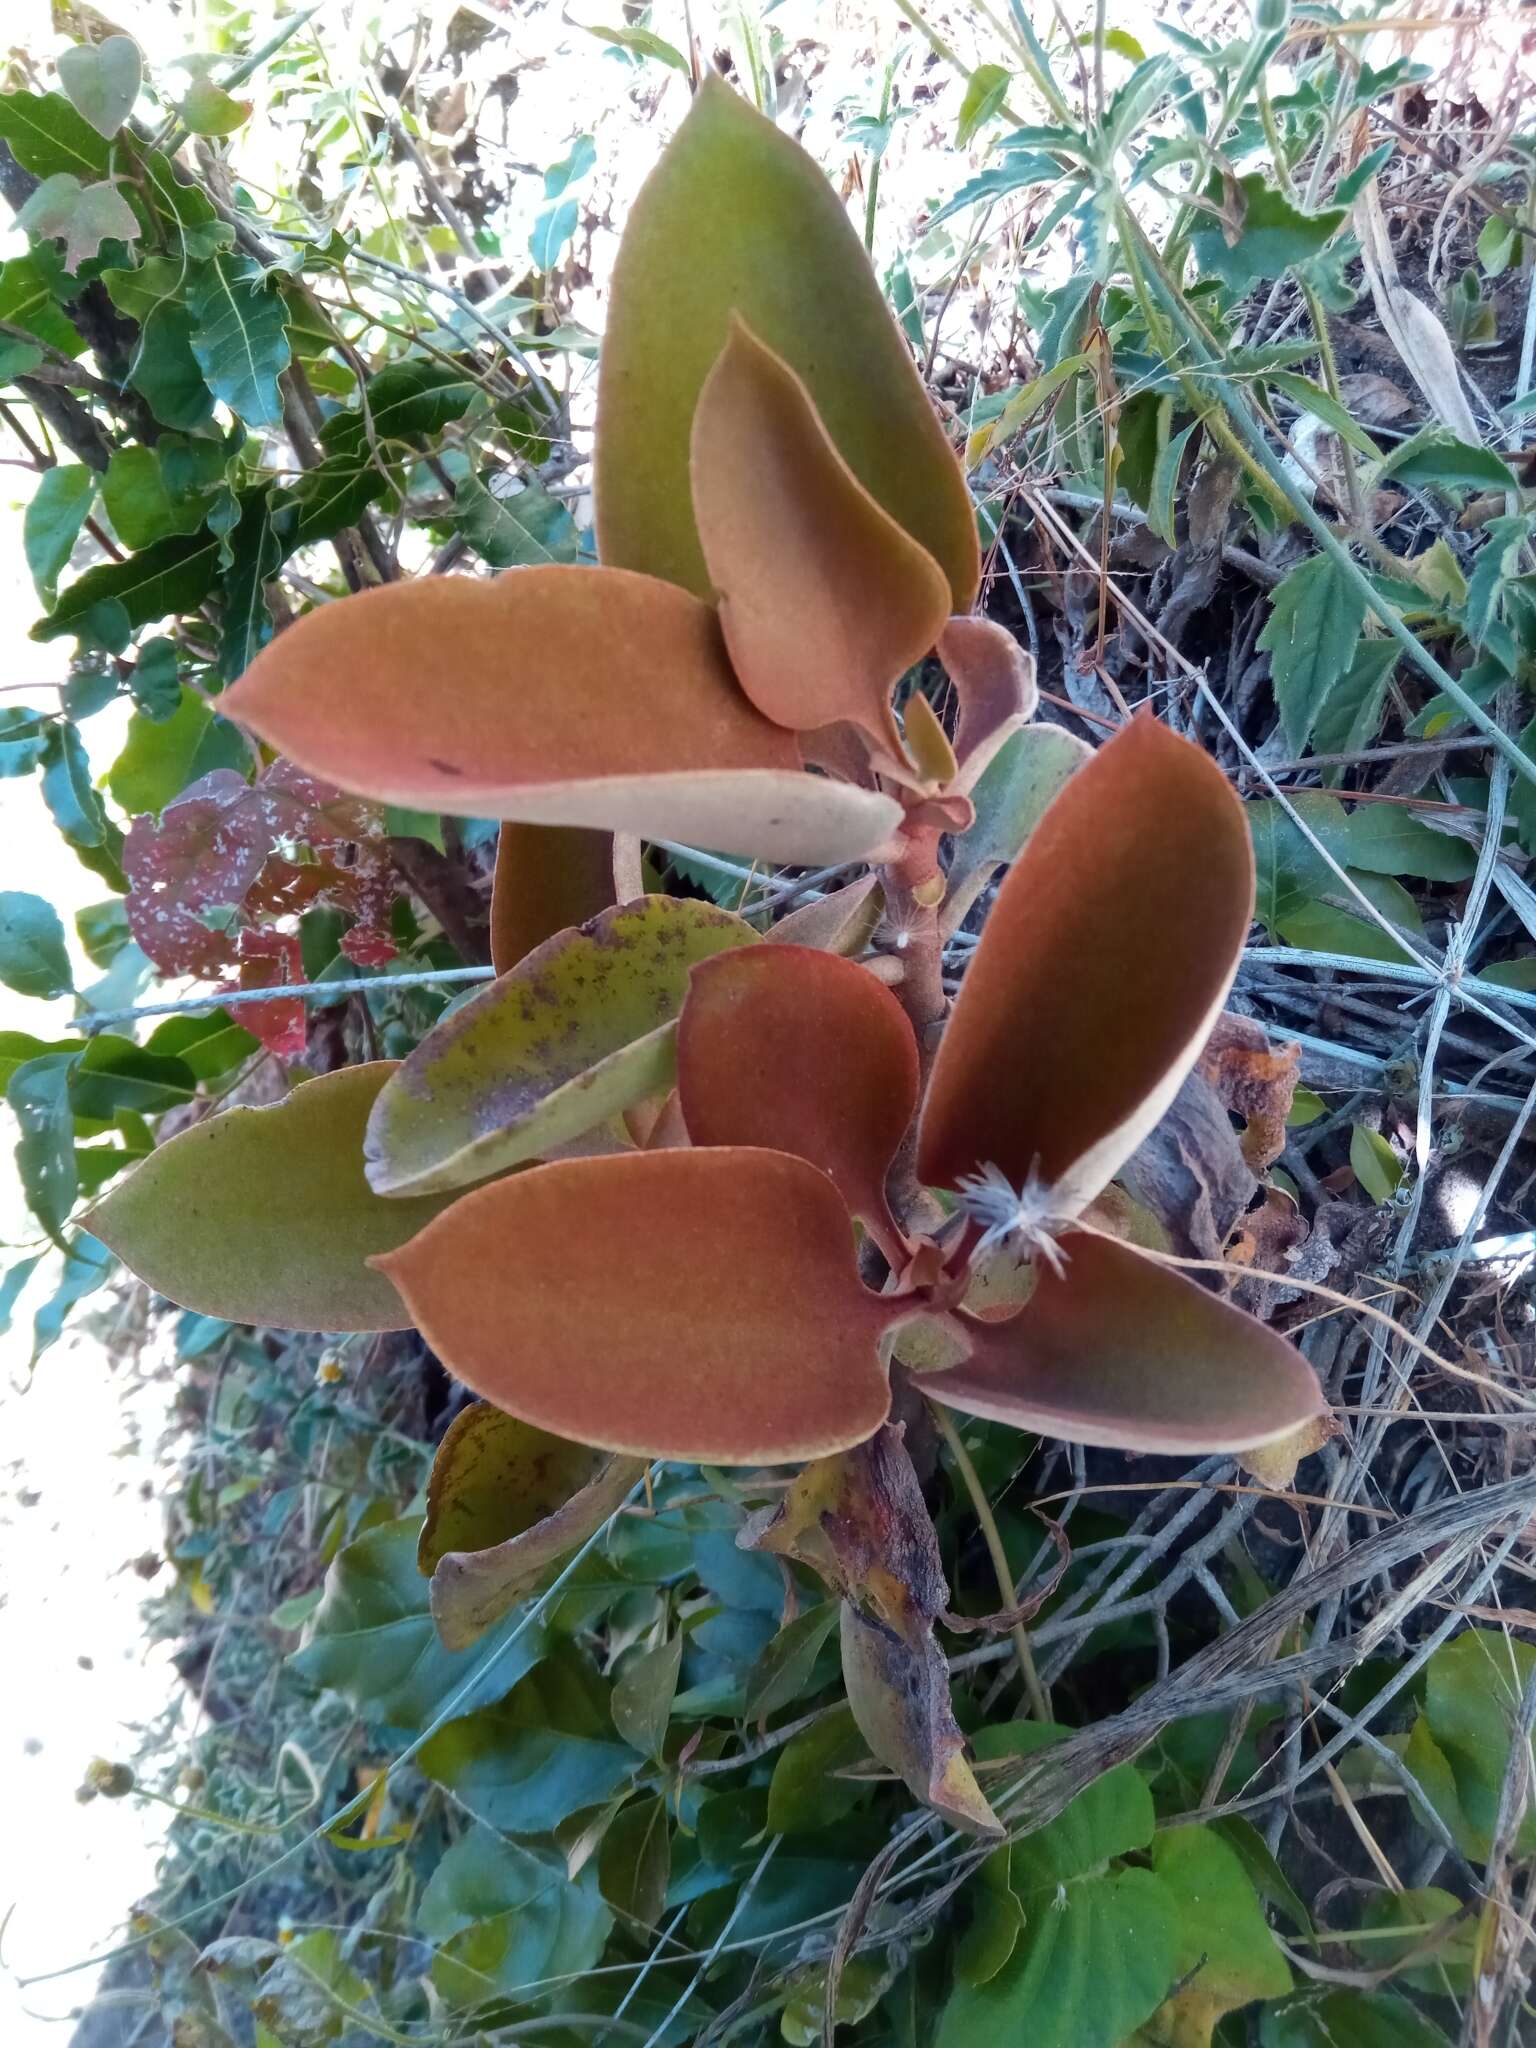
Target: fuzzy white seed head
[1022, 1218]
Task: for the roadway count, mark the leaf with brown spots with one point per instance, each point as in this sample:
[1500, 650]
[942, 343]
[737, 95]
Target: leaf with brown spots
[567, 1040]
[859, 1520]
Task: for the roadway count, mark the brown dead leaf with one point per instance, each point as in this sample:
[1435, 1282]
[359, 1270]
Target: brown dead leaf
[1254, 1081]
[1274, 1465]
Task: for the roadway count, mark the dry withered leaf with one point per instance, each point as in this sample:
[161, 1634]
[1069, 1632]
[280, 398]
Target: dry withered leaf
[1254, 1080]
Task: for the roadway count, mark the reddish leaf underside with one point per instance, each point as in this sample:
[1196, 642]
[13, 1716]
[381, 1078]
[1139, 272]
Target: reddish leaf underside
[798, 1050]
[994, 682]
[1121, 1351]
[548, 878]
[824, 600]
[556, 696]
[1104, 963]
[697, 1304]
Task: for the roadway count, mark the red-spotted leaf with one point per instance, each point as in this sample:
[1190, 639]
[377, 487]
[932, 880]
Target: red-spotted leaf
[263, 1215]
[736, 218]
[213, 848]
[1120, 1351]
[267, 960]
[785, 1047]
[824, 600]
[1104, 964]
[571, 1037]
[721, 1316]
[548, 878]
[994, 681]
[554, 696]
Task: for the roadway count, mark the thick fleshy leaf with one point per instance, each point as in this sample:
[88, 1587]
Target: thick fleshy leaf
[1103, 966]
[548, 878]
[1120, 1351]
[263, 1215]
[994, 680]
[721, 1313]
[736, 218]
[473, 1589]
[555, 696]
[899, 1693]
[860, 1522]
[824, 600]
[797, 1050]
[573, 1035]
[492, 1478]
[843, 922]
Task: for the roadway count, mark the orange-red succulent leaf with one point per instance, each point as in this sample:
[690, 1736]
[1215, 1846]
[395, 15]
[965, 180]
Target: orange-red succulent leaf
[1103, 965]
[548, 878]
[786, 1047]
[263, 1215]
[736, 218]
[1118, 1350]
[994, 680]
[554, 696]
[824, 600]
[697, 1305]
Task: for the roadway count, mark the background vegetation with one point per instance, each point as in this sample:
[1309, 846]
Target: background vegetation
[1234, 321]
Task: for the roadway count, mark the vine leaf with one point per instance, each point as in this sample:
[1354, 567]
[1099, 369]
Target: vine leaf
[578, 1032]
[82, 217]
[783, 254]
[555, 696]
[263, 1215]
[102, 81]
[722, 1314]
[240, 336]
[1132, 899]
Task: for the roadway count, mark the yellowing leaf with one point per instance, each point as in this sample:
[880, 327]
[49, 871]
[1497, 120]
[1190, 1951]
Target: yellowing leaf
[492, 1478]
[736, 218]
[571, 1036]
[264, 1216]
[722, 1318]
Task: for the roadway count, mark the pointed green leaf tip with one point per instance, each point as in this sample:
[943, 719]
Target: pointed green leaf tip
[263, 1215]
[737, 218]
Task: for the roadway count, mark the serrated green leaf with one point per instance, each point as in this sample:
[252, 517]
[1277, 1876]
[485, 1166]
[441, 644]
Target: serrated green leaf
[1350, 716]
[55, 514]
[163, 581]
[1435, 457]
[1310, 397]
[240, 336]
[152, 492]
[517, 531]
[67, 787]
[38, 1093]
[34, 959]
[1311, 635]
[1274, 236]
[47, 136]
[372, 1638]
